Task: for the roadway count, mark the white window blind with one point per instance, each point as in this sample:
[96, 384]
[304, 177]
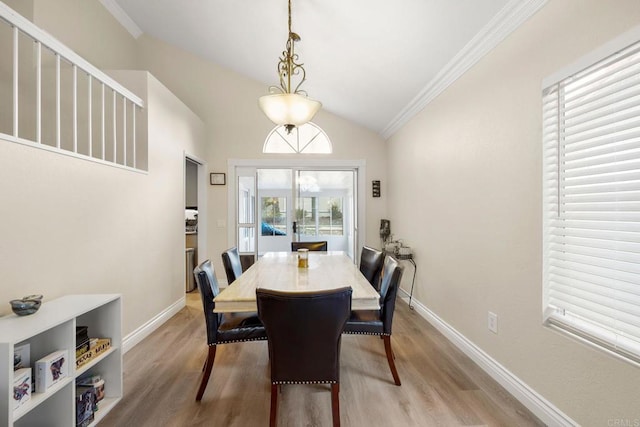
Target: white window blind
[591, 135]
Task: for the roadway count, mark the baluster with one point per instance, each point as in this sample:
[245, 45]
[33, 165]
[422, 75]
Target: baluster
[124, 130]
[38, 92]
[57, 100]
[90, 114]
[75, 108]
[15, 81]
[103, 124]
[133, 124]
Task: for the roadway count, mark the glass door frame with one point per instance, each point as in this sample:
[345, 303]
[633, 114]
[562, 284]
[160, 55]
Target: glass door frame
[349, 207]
[359, 166]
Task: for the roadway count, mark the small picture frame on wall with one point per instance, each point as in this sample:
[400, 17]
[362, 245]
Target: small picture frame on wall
[217, 178]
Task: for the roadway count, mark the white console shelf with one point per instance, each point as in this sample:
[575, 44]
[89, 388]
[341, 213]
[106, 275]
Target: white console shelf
[52, 328]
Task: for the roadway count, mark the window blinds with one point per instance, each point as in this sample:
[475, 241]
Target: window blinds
[591, 136]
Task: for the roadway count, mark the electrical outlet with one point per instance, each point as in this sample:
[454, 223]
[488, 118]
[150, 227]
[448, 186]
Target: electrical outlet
[492, 323]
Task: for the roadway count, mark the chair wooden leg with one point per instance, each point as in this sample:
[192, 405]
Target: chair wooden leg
[390, 357]
[208, 366]
[273, 417]
[335, 404]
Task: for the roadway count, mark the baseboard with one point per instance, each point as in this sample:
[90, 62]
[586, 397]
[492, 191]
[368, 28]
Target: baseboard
[537, 404]
[145, 330]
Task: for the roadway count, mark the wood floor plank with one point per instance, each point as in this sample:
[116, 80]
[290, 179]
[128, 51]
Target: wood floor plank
[440, 385]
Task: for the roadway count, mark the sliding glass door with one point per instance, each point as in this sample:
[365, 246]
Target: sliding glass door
[295, 204]
[325, 208]
[275, 201]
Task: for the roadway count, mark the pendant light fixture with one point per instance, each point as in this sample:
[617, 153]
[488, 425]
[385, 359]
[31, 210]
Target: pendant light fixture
[285, 105]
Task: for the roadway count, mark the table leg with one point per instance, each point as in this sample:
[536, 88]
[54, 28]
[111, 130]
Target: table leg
[413, 282]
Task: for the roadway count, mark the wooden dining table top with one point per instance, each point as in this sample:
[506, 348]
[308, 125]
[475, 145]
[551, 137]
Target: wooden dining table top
[280, 271]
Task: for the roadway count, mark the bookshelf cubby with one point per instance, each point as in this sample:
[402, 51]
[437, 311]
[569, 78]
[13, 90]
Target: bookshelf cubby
[53, 328]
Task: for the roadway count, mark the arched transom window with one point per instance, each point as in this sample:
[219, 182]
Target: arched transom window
[307, 139]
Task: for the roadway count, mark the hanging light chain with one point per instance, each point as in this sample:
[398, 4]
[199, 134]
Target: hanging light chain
[288, 67]
[289, 18]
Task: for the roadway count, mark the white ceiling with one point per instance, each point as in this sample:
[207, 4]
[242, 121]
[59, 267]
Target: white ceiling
[374, 62]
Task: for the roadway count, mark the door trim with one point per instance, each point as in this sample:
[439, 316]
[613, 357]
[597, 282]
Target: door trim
[359, 165]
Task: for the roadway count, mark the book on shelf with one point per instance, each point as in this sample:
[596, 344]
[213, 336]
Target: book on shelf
[51, 369]
[85, 406]
[97, 347]
[21, 386]
[21, 356]
[97, 389]
[82, 349]
[88, 379]
[82, 334]
[93, 382]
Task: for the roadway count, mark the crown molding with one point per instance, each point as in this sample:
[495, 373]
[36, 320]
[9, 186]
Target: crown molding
[121, 16]
[510, 17]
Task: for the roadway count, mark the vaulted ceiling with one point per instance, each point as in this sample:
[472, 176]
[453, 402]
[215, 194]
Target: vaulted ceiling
[374, 62]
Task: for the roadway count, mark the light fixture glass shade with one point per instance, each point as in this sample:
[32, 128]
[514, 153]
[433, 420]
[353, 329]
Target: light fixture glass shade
[288, 108]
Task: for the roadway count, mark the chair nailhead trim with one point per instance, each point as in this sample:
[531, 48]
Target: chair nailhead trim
[245, 340]
[303, 382]
[366, 333]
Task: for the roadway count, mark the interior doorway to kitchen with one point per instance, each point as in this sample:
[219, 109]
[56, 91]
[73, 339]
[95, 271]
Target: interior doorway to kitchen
[195, 223]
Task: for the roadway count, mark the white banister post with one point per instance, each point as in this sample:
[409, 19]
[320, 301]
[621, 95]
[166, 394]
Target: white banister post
[115, 130]
[124, 130]
[15, 81]
[57, 100]
[133, 123]
[75, 108]
[90, 113]
[102, 123]
[39, 92]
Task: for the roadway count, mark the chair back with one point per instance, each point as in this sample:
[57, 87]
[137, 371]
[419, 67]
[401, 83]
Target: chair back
[304, 331]
[232, 264]
[371, 265]
[312, 246]
[208, 286]
[389, 283]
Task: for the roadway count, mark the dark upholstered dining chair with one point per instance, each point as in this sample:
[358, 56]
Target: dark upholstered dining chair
[232, 264]
[222, 328]
[378, 322]
[312, 246]
[371, 261]
[304, 331]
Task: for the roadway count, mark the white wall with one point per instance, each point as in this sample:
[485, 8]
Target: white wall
[236, 129]
[74, 226]
[90, 30]
[465, 191]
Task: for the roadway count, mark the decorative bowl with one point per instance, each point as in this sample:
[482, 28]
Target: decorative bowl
[27, 305]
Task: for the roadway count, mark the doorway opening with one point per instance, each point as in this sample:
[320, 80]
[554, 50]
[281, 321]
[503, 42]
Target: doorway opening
[195, 217]
[277, 205]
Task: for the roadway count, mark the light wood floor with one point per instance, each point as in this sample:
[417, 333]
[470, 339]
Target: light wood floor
[440, 385]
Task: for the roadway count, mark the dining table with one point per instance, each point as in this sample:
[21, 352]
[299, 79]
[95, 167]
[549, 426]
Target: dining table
[280, 271]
